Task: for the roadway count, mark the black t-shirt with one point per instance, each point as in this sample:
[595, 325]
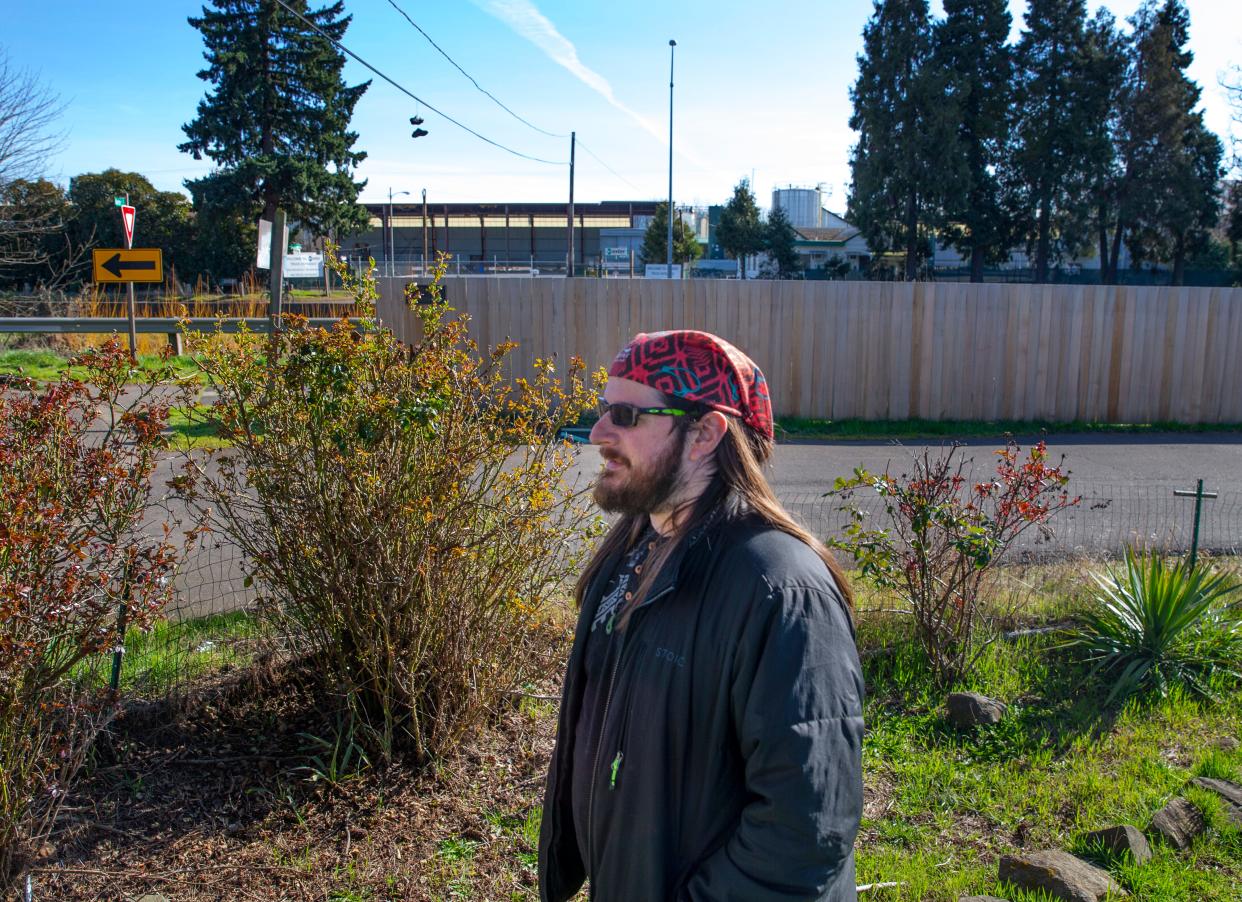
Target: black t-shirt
[600, 659]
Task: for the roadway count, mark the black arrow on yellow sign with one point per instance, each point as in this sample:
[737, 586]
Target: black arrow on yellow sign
[117, 266]
[138, 264]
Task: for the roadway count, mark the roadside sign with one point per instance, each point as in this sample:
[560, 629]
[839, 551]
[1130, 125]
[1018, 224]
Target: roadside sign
[661, 271]
[118, 200]
[263, 257]
[616, 258]
[303, 266]
[139, 264]
[127, 219]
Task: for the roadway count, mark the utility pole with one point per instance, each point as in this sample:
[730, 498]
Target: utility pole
[672, 45]
[131, 308]
[573, 140]
[391, 241]
[424, 233]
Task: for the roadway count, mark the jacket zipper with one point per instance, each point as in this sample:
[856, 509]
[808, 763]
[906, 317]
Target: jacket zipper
[599, 740]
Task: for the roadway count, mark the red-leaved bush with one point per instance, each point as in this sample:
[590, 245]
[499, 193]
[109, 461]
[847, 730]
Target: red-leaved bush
[940, 534]
[76, 459]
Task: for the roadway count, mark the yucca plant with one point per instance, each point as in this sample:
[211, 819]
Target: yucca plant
[1154, 625]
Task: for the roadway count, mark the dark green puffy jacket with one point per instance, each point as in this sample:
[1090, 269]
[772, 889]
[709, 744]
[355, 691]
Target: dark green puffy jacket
[731, 753]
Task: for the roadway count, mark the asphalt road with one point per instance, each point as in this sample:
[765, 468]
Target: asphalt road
[1126, 482]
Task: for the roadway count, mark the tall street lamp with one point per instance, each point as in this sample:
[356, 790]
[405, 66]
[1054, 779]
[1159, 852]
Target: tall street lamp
[672, 45]
[391, 241]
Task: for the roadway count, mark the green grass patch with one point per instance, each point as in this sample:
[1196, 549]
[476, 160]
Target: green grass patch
[194, 428]
[793, 428]
[48, 366]
[173, 653]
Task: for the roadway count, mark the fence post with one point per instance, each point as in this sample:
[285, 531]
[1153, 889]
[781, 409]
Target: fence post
[122, 613]
[1198, 494]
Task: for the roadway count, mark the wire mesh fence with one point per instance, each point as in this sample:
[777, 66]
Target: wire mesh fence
[212, 622]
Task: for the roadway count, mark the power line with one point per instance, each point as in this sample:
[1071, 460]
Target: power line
[494, 98]
[606, 166]
[409, 93]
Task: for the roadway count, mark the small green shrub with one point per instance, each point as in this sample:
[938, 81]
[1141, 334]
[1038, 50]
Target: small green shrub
[403, 510]
[1153, 626]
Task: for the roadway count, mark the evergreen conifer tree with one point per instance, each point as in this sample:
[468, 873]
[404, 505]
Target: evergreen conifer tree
[1049, 157]
[655, 240]
[741, 229]
[1173, 161]
[972, 48]
[276, 119]
[779, 238]
[906, 156]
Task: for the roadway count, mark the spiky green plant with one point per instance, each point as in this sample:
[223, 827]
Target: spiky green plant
[1153, 626]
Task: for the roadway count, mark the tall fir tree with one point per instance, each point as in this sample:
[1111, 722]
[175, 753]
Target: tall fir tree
[276, 119]
[906, 159]
[741, 228]
[779, 240]
[655, 240]
[1049, 156]
[1173, 161]
[971, 47]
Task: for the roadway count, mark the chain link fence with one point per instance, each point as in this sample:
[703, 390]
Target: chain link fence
[211, 621]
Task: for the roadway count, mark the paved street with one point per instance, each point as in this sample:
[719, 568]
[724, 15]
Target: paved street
[1126, 482]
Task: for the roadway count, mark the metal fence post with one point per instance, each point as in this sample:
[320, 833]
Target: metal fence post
[1198, 494]
[121, 615]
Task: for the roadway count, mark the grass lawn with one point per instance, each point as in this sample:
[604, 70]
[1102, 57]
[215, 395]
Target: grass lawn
[47, 366]
[940, 807]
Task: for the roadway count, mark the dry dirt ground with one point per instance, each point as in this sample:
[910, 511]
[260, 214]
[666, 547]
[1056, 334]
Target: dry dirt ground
[216, 798]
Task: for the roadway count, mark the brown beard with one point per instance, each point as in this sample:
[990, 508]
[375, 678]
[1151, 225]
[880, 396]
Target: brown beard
[643, 491]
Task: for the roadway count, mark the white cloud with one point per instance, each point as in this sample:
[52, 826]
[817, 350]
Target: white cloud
[525, 19]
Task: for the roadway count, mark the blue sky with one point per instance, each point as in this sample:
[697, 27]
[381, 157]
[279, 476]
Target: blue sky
[760, 89]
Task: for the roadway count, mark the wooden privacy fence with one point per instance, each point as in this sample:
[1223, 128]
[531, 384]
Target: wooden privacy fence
[891, 350]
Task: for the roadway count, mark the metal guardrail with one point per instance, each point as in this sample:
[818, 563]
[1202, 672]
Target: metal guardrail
[150, 325]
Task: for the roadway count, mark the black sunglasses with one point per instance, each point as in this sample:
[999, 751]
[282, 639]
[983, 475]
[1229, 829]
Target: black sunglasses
[626, 415]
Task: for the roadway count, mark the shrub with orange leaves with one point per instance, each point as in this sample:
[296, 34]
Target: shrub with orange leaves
[404, 510]
[942, 534]
[76, 461]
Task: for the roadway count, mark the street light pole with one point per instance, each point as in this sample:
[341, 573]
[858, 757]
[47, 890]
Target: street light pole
[424, 233]
[672, 45]
[391, 240]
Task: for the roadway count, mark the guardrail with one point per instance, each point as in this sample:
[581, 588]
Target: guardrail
[150, 325]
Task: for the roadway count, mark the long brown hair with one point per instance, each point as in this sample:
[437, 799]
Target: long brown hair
[738, 488]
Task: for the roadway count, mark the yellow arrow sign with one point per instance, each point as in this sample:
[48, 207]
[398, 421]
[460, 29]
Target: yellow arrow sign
[139, 264]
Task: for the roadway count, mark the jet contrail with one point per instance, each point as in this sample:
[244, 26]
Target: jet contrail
[524, 18]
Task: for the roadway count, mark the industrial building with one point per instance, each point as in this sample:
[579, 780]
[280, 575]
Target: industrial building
[491, 237]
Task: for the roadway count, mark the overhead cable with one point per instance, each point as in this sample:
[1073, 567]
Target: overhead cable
[415, 97]
[494, 98]
[606, 166]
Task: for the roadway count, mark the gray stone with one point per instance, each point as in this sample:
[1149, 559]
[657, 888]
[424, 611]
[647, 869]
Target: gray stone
[1122, 839]
[1230, 792]
[1060, 874]
[1227, 744]
[1178, 822]
[970, 709]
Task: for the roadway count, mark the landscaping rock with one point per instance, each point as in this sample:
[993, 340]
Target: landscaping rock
[1231, 793]
[1122, 839]
[1227, 744]
[970, 709]
[1178, 822]
[1060, 874]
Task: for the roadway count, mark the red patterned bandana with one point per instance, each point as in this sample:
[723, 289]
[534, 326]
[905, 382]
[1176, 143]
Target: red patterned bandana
[699, 366]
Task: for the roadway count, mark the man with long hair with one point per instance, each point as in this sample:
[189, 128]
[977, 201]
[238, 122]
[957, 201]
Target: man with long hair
[709, 744]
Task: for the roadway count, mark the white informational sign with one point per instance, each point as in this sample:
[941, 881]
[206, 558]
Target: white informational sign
[661, 271]
[616, 258]
[303, 266]
[263, 258]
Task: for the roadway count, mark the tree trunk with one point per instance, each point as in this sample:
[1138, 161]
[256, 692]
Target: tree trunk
[1114, 260]
[1043, 240]
[976, 263]
[1179, 261]
[912, 237]
[1102, 235]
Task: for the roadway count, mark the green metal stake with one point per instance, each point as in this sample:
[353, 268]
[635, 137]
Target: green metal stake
[121, 615]
[1198, 494]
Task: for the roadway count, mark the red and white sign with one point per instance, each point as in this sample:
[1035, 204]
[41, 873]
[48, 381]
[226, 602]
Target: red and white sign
[127, 219]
